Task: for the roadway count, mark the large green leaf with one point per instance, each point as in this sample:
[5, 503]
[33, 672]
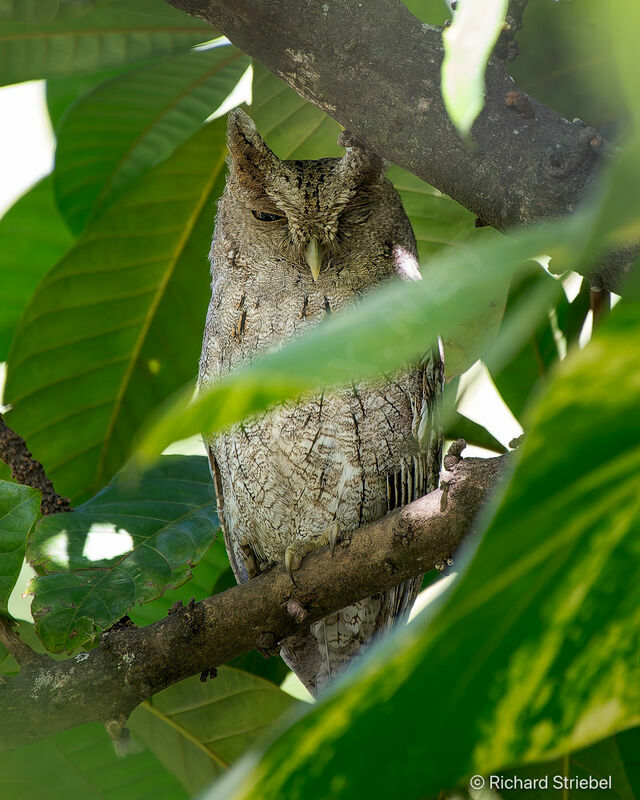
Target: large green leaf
[134, 121]
[82, 763]
[616, 758]
[197, 730]
[116, 326]
[127, 545]
[34, 236]
[19, 509]
[39, 38]
[389, 327]
[534, 651]
[63, 90]
[468, 42]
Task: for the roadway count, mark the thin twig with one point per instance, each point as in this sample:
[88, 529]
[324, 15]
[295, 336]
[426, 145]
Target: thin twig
[21, 651]
[506, 47]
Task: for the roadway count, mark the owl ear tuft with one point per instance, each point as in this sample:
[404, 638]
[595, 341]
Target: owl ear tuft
[250, 158]
[360, 158]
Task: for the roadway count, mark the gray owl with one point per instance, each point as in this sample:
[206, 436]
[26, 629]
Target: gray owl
[295, 241]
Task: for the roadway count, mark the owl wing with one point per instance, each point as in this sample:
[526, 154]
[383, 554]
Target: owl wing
[238, 564]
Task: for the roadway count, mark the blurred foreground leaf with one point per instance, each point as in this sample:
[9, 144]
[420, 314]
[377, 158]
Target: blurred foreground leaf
[389, 327]
[617, 757]
[550, 661]
[468, 42]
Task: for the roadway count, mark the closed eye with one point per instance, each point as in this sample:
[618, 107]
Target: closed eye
[266, 216]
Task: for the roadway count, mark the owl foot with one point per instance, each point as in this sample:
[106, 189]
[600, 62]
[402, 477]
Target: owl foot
[295, 553]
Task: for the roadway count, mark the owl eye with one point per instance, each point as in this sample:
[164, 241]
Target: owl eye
[265, 216]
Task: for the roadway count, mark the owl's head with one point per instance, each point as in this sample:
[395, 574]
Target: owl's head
[316, 215]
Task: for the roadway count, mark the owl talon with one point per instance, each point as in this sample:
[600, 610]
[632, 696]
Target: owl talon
[292, 561]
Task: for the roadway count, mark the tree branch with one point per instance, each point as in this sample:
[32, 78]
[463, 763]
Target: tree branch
[10, 639]
[131, 664]
[376, 69]
[29, 472]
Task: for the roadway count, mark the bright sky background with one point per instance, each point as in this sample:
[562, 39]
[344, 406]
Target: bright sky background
[26, 139]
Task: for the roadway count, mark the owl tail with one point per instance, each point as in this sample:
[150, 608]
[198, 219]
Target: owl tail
[323, 651]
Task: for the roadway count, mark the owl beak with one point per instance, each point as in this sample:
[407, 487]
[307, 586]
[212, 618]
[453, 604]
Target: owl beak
[313, 257]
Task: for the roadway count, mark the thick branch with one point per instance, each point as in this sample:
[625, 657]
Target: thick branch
[131, 664]
[376, 69]
[27, 471]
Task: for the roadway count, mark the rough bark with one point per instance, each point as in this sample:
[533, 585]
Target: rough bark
[29, 472]
[375, 68]
[131, 664]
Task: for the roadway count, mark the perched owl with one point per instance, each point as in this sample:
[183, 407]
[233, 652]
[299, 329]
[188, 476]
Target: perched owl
[295, 241]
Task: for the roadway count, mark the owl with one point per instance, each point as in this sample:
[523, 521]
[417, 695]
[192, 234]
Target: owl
[294, 242]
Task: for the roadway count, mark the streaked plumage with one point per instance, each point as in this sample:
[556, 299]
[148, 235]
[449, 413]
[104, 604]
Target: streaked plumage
[293, 242]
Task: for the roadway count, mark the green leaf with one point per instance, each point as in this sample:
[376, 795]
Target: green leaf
[197, 730]
[127, 545]
[615, 758]
[571, 67]
[203, 582]
[116, 326]
[64, 90]
[134, 121]
[389, 327]
[34, 236]
[437, 220]
[58, 38]
[291, 126]
[434, 12]
[19, 509]
[468, 43]
[461, 427]
[82, 763]
[525, 373]
[619, 23]
[534, 650]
